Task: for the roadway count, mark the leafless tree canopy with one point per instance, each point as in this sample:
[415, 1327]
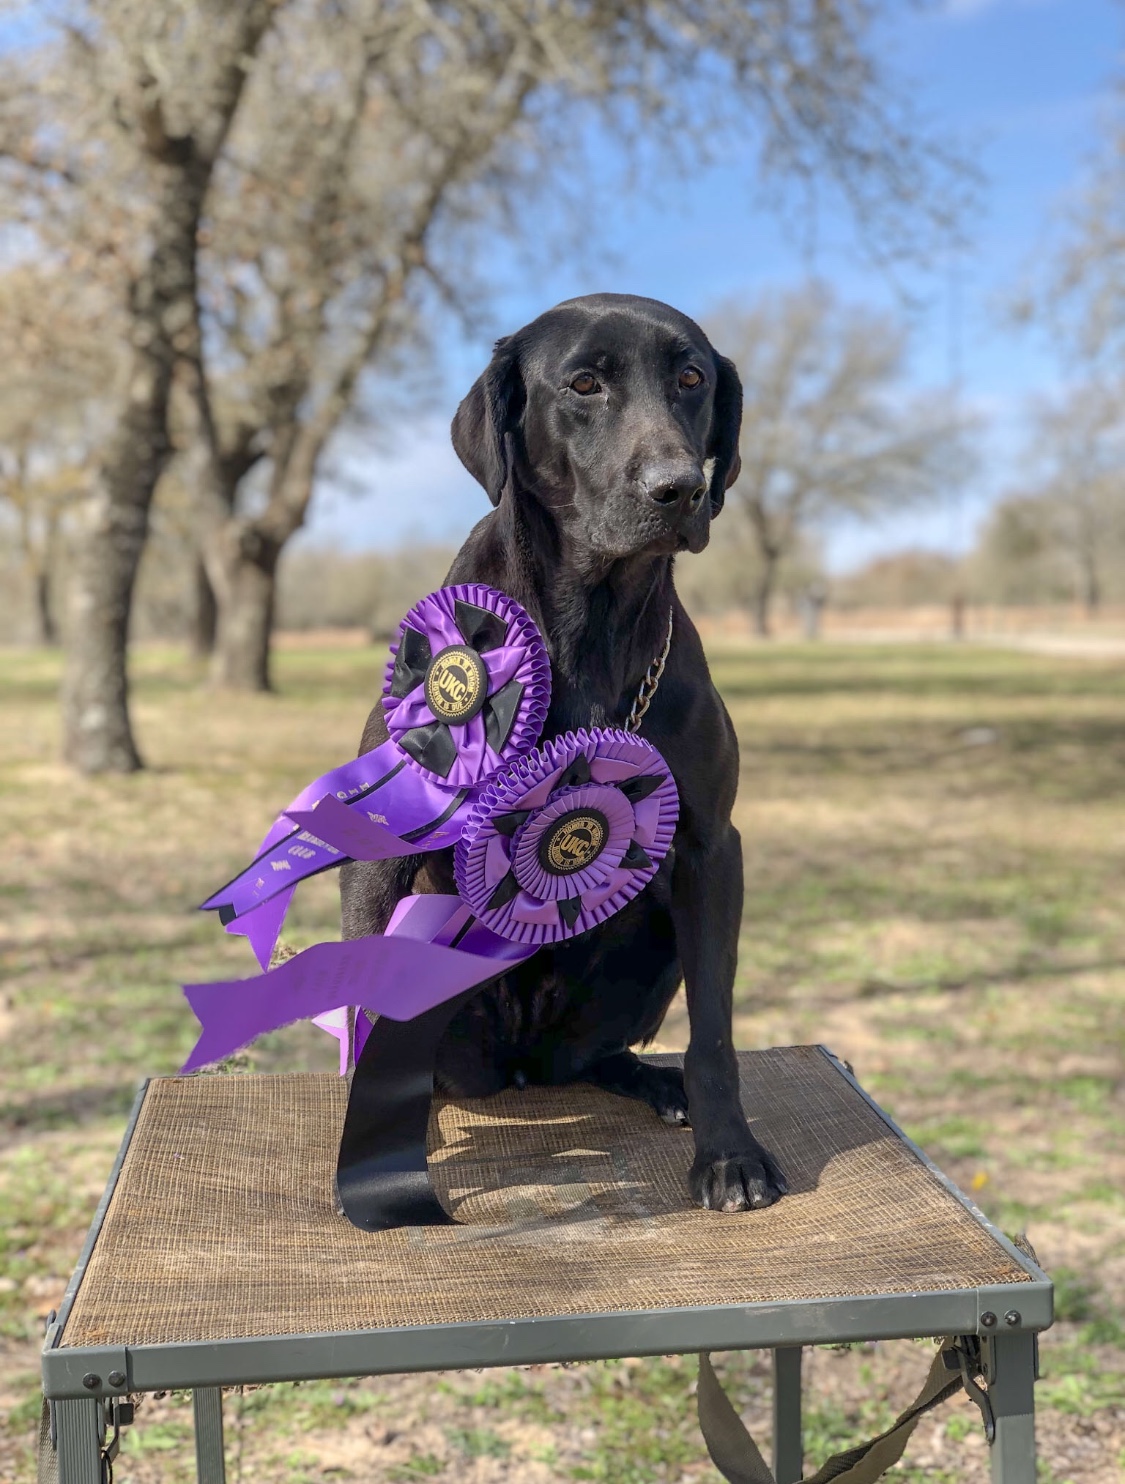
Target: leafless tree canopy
[128, 110]
[1078, 508]
[276, 194]
[56, 387]
[1069, 524]
[826, 431]
[1080, 292]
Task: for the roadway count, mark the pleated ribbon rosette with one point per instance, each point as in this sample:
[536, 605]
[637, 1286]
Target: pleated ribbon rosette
[466, 693]
[556, 843]
[564, 838]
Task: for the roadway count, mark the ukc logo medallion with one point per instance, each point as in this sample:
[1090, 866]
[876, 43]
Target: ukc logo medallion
[456, 685]
[574, 842]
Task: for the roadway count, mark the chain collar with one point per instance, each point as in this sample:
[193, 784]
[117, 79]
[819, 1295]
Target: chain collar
[650, 684]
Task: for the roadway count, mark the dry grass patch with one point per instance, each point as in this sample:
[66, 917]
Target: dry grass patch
[934, 841]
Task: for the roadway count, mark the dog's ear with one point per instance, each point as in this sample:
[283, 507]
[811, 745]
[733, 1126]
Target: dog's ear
[726, 422]
[485, 425]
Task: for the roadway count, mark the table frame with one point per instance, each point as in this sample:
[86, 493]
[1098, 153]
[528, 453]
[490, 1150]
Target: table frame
[81, 1384]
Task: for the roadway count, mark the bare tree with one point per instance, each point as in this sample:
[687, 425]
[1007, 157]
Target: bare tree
[1078, 450]
[39, 502]
[827, 430]
[1078, 291]
[1016, 559]
[308, 271]
[332, 219]
[54, 376]
[271, 246]
[149, 92]
[1079, 446]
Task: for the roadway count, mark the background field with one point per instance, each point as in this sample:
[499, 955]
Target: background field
[934, 840]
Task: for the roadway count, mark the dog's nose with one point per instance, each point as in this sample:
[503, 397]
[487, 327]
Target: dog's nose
[675, 489]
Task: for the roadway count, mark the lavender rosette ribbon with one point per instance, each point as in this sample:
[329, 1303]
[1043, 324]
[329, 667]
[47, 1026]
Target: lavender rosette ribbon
[566, 836]
[466, 692]
[555, 844]
[468, 685]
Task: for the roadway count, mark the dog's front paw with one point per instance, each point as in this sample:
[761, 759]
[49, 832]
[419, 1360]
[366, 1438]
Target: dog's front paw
[663, 1089]
[744, 1181]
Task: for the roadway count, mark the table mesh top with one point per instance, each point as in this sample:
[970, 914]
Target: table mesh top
[572, 1201]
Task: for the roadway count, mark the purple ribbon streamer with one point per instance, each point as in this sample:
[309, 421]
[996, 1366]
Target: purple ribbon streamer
[408, 816]
[409, 808]
[254, 903]
[400, 974]
[261, 926]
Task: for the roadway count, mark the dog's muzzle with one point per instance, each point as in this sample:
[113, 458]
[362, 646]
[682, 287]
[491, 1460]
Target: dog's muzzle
[678, 490]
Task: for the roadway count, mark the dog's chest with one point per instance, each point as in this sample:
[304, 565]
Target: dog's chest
[583, 703]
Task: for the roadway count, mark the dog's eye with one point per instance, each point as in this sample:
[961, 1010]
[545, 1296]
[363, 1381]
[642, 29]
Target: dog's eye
[584, 384]
[691, 377]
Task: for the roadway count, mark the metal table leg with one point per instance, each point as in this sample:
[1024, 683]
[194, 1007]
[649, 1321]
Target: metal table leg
[210, 1460]
[1011, 1396]
[788, 1448]
[78, 1426]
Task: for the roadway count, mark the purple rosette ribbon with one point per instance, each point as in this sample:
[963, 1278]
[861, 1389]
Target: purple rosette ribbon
[556, 844]
[467, 691]
[468, 685]
[563, 839]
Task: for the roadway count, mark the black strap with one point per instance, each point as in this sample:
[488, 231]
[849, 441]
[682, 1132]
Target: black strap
[381, 1174]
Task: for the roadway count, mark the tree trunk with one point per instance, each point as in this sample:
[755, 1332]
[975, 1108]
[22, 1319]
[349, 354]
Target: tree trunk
[957, 616]
[763, 596]
[246, 563]
[205, 613]
[1091, 587]
[242, 557]
[38, 556]
[97, 733]
[46, 633]
[815, 599]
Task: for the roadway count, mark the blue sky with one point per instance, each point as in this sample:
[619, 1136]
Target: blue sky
[1022, 84]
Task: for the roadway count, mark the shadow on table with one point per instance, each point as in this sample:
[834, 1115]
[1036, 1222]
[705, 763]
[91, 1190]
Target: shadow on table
[544, 1156]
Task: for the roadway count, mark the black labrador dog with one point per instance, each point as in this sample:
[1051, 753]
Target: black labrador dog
[606, 434]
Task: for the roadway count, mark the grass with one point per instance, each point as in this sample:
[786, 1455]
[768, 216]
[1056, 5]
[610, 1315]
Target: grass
[947, 913]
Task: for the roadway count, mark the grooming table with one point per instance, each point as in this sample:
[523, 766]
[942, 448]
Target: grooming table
[216, 1257]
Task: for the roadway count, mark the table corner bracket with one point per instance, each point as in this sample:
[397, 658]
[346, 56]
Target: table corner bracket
[100, 1371]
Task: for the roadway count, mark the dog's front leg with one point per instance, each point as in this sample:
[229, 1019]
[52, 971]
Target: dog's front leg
[731, 1170]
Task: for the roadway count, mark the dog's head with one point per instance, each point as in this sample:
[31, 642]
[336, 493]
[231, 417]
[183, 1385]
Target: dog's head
[616, 414]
